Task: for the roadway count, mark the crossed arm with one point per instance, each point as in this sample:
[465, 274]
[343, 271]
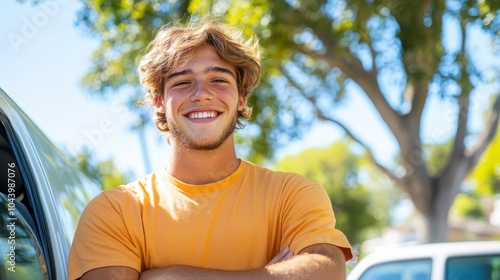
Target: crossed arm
[319, 261]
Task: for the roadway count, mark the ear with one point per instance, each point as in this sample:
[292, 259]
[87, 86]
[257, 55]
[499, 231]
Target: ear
[242, 101]
[159, 105]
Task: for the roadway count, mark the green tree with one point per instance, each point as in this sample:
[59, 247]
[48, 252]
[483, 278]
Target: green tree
[105, 172]
[391, 50]
[468, 205]
[316, 52]
[359, 208]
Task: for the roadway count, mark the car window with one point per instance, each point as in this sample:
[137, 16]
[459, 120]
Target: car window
[419, 269]
[473, 267]
[20, 253]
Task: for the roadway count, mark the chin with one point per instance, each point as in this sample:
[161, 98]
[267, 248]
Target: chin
[208, 145]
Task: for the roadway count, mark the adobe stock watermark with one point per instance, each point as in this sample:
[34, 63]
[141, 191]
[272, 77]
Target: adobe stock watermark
[30, 27]
[12, 219]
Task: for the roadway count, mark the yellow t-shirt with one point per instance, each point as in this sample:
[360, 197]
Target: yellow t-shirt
[240, 222]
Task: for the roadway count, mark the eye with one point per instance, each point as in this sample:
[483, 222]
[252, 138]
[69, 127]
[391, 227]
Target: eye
[181, 83]
[219, 81]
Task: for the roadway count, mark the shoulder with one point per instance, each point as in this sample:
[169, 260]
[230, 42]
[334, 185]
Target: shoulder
[266, 173]
[124, 196]
[286, 181]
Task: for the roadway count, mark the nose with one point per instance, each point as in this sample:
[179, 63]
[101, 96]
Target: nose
[202, 93]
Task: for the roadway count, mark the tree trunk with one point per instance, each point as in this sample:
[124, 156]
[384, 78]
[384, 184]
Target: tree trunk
[432, 214]
[432, 226]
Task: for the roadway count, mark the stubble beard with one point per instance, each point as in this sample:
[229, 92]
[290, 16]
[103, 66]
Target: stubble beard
[202, 145]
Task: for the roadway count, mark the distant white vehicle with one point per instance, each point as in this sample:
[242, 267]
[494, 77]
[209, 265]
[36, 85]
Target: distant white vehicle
[475, 260]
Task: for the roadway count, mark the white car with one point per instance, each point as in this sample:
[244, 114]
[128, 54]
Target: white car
[42, 194]
[474, 260]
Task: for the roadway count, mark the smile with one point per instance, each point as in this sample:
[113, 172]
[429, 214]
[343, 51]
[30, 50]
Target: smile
[203, 115]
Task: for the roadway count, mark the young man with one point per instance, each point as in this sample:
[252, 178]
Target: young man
[208, 214]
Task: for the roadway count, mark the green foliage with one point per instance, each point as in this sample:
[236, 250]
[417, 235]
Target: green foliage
[467, 205]
[359, 208]
[437, 156]
[125, 28]
[308, 43]
[302, 41]
[105, 172]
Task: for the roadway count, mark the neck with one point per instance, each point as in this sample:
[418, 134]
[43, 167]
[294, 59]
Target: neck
[202, 167]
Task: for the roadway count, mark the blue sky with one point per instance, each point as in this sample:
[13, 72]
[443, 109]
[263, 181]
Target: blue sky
[44, 55]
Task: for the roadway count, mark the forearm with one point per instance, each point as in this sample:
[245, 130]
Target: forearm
[189, 272]
[307, 266]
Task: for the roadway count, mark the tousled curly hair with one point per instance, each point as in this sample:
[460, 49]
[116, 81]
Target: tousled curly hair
[173, 46]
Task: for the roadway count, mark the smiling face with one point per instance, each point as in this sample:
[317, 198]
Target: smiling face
[201, 101]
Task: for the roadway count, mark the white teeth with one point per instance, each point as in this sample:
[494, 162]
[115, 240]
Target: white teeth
[202, 115]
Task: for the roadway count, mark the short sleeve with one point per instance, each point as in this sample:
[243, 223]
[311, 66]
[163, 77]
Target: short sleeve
[308, 219]
[103, 237]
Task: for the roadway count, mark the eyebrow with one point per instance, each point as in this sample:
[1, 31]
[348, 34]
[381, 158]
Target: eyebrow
[180, 73]
[220, 69]
[209, 69]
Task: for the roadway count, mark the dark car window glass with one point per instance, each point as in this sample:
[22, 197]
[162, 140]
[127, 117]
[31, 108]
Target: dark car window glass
[473, 267]
[9, 169]
[20, 253]
[419, 269]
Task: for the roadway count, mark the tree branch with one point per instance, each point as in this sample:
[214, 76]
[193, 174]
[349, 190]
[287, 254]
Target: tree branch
[484, 139]
[455, 162]
[460, 167]
[367, 80]
[419, 97]
[399, 181]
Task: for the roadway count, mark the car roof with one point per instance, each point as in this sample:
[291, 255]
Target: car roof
[398, 252]
[433, 250]
[439, 252]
